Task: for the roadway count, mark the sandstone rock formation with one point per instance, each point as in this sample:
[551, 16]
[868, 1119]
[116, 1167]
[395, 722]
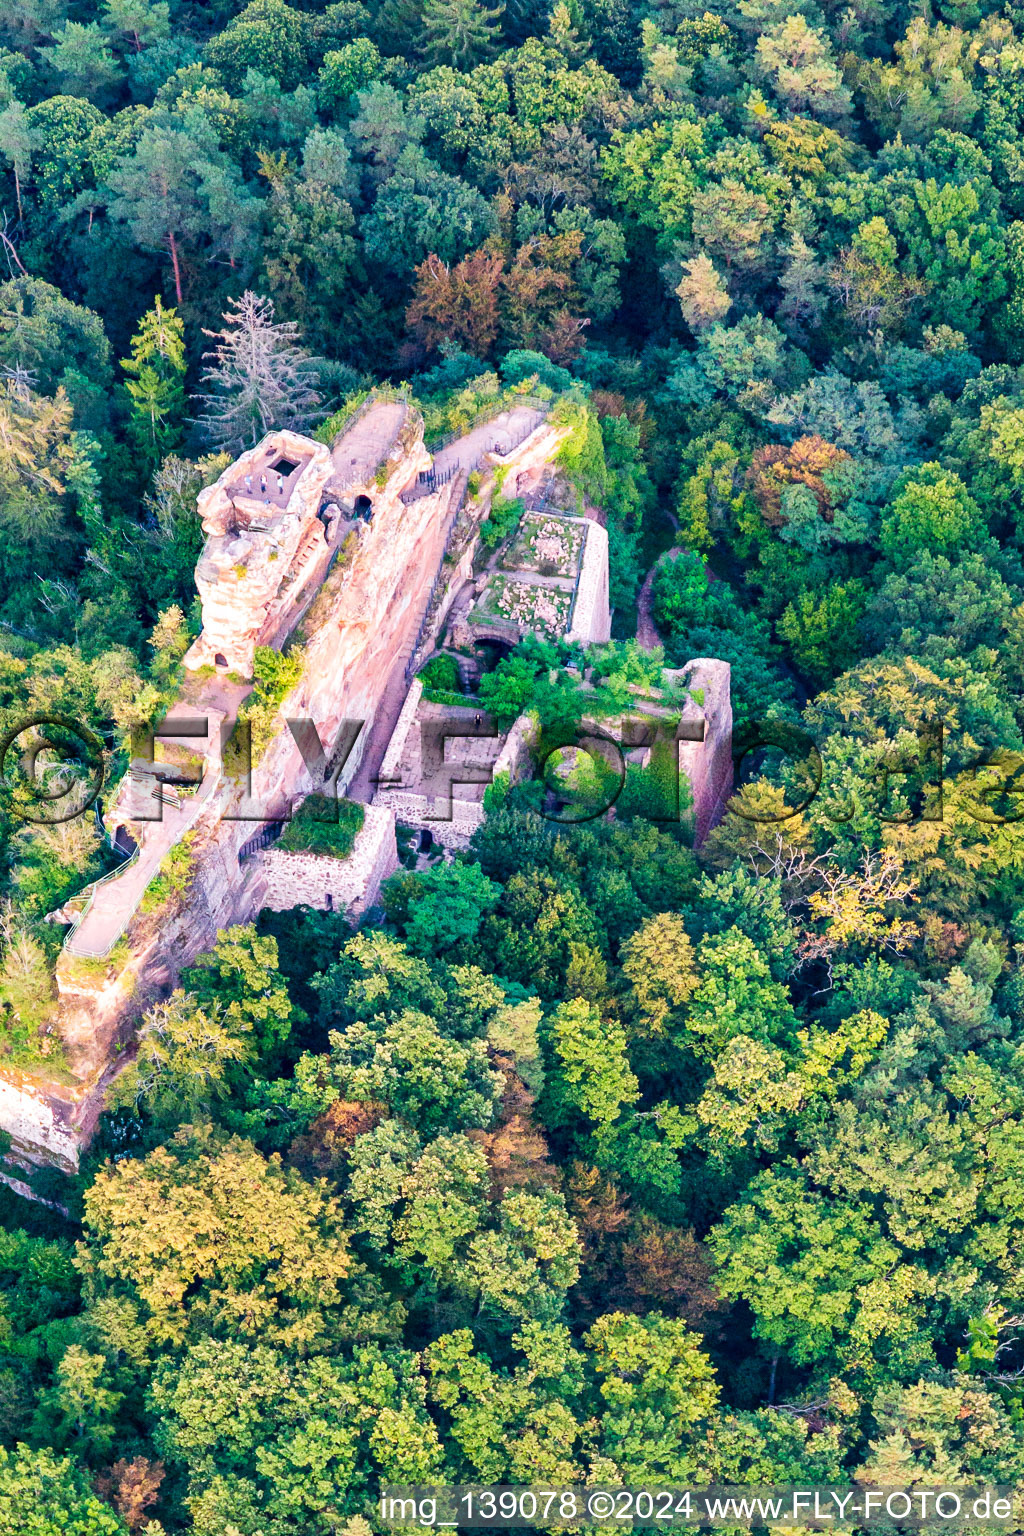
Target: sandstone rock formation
[266, 578]
[262, 580]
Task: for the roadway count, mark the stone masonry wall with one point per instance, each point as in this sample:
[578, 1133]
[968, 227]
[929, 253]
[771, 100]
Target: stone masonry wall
[708, 764]
[591, 617]
[289, 879]
[416, 809]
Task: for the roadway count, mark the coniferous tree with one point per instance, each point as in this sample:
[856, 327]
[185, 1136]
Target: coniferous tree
[155, 385]
[258, 377]
[460, 33]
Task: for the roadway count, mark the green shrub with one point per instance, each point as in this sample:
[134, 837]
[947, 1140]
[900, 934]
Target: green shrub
[504, 517]
[275, 675]
[177, 871]
[323, 825]
[440, 675]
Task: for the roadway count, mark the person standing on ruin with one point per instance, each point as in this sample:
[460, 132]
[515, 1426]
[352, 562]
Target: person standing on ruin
[248, 485]
[263, 486]
[280, 483]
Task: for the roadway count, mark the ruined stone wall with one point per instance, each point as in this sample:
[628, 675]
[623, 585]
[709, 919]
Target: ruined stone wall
[411, 800]
[286, 879]
[405, 740]
[591, 616]
[417, 810]
[248, 581]
[708, 763]
[522, 465]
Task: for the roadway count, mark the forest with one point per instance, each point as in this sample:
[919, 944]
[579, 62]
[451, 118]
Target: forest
[594, 1158]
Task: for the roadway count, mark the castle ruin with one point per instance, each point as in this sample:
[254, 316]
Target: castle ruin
[353, 559]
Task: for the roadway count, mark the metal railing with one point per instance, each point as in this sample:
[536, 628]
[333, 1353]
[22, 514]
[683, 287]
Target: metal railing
[487, 413]
[264, 837]
[163, 794]
[428, 481]
[381, 394]
[89, 892]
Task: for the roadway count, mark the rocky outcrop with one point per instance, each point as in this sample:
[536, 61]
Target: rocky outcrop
[361, 618]
[266, 543]
[266, 577]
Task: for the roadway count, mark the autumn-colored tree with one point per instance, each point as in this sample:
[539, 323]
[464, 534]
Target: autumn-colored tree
[665, 1267]
[538, 294]
[459, 304]
[131, 1486]
[807, 462]
[324, 1147]
[703, 296]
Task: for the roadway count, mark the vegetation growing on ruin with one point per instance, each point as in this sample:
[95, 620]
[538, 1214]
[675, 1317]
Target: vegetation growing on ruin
[598, 1158]
[275, 674]
[170, 886]
[322, 824]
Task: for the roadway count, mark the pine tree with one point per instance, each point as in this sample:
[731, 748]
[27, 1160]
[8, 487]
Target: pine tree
[18, 142]
[803, 284]
[259, 377]
[703, 296]
[459, 32]
[156, 386]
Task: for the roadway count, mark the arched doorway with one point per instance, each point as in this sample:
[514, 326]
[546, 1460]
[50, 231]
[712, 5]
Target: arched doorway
[364, 507]
[491, 652]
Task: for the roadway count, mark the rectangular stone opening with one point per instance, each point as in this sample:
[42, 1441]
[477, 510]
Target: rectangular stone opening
[285, 467]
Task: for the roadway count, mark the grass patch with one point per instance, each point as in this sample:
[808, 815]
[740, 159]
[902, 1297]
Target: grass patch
[323, 825]
[92, 968]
